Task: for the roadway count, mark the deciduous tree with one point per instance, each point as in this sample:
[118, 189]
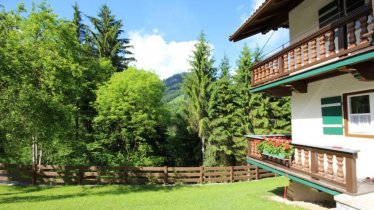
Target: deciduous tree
[130, 124]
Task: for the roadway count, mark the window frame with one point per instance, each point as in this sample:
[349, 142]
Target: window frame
[346, 110]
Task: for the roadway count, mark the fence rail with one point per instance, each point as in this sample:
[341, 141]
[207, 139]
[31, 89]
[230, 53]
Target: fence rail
[53, 174]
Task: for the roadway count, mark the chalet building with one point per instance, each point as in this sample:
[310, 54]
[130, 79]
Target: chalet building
[328, 72]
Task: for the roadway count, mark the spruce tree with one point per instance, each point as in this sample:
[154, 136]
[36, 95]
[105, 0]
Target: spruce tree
[246, 100]
[224, 120]
[107, 39]
[261, 113]
[196, 87]
[77, 21]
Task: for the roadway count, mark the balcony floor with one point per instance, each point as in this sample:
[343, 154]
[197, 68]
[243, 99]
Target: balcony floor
[363, 187]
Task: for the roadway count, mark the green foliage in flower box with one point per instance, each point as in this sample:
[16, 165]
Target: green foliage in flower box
[279, 147]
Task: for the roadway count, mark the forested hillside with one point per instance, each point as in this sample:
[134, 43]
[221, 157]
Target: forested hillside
[173, 87]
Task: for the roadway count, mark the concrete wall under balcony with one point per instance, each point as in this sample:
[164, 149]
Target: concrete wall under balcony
[307, 125]
[303, 19]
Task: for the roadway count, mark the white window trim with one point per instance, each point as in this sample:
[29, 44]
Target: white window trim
[370, 129]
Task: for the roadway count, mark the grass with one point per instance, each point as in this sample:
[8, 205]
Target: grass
[243, 195]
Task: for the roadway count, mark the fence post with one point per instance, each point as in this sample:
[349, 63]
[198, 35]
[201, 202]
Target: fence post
[165, 175]
[201, 174]
[80, 175]
[257, 173]
[231, 174]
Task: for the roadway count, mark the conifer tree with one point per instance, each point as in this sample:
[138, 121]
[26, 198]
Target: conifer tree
[196, 87]
[261, 112]
[107, 39]
[224, 120]
[246, 100]
[77, 21]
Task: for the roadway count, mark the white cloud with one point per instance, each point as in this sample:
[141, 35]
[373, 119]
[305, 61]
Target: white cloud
[153, 53]
[255, 4]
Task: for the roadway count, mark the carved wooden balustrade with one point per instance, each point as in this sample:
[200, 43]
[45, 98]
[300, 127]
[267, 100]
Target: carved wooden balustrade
[334, 167]
[346, 35]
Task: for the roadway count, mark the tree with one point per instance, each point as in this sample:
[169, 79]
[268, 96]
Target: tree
[107, 41]
[130, 124]
[79, 26]
[261, 113]
[224, 123]
[196, 87]
[38, 84]
[183, 144]
[242, 79]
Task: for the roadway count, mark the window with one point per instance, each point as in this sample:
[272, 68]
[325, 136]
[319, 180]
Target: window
[359, 113]
[337, 9]
[328, 14]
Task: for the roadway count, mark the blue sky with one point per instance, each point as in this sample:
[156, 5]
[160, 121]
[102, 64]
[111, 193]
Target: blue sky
[163, 31]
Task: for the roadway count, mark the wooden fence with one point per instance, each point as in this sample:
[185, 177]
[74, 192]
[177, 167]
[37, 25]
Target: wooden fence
[51, 174]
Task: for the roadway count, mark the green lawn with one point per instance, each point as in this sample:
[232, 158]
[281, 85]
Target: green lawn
[244, 195]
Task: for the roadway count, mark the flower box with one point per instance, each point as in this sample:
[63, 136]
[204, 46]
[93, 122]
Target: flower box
[276, 149]
[279, 156]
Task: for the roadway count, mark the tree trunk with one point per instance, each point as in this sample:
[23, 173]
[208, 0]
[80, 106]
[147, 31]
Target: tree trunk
[40, 157]
[202, 149]
[34, 151]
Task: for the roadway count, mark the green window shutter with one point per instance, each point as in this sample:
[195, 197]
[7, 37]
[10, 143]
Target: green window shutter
[332, 115]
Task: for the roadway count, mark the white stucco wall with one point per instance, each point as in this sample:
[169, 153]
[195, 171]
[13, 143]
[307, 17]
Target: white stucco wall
[307, 119]
[303, 19]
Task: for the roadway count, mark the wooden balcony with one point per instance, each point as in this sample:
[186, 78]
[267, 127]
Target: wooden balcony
[329, 168]
[342, 38]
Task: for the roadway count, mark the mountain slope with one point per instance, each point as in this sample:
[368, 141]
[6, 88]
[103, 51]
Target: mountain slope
[173, 87]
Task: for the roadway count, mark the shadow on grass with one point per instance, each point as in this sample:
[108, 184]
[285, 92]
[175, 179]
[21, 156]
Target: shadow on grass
[279, 191]
[25, 195]
[14, 190]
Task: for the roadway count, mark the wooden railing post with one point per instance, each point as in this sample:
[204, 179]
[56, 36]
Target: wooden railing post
[350, 173]
[313, 163]
[249, 147]
[253, 77]
[331, 37]
[342, 36]
[363, 24]
[280, 64]
[257, 173]
[351, 34]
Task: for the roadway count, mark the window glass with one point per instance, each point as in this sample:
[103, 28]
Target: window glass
[351, 5]
[360, 104]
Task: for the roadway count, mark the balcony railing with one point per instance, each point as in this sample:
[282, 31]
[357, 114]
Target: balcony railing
[346, 35]
[331, 167]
